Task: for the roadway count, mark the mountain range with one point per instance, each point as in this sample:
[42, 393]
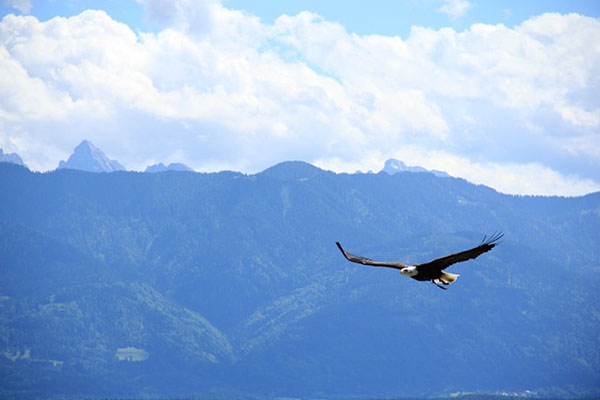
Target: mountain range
[87, 157]
[226, 285]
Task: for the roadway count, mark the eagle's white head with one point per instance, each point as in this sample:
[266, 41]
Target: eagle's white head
[409, 271]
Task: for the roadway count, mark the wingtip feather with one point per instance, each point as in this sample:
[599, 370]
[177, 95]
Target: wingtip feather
[493, 239]
[341, 249]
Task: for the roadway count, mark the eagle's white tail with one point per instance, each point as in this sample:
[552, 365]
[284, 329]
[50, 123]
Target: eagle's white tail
[447, 278]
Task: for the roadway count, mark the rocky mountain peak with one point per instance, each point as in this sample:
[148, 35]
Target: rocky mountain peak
[87, 157]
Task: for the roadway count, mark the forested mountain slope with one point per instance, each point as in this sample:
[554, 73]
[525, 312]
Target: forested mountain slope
[230, 285]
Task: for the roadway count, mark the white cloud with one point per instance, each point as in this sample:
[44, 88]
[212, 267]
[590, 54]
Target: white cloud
[22, 5]
[509, 178]
[231, 28]
[216, 88]
[512, 178]
[455, 8]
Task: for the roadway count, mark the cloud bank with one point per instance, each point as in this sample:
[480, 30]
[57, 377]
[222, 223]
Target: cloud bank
[513, 108]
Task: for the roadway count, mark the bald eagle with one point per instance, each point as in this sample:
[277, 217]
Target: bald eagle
[432, 271]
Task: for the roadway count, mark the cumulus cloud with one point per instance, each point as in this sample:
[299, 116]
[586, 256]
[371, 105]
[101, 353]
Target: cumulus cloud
[514, 108]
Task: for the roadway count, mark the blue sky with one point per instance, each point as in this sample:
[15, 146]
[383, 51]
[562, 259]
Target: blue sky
[499, 93]
[396, 17]
[388, 17]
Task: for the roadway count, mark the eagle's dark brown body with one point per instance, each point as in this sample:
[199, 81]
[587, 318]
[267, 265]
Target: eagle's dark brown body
[433, 270]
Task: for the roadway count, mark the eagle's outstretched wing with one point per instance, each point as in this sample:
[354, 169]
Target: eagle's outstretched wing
[444, 262]
[368, 261]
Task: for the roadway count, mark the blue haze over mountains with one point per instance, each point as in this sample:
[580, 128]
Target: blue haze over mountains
[160, 167]
[13, 158]
[87, 157]
[227, 285]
